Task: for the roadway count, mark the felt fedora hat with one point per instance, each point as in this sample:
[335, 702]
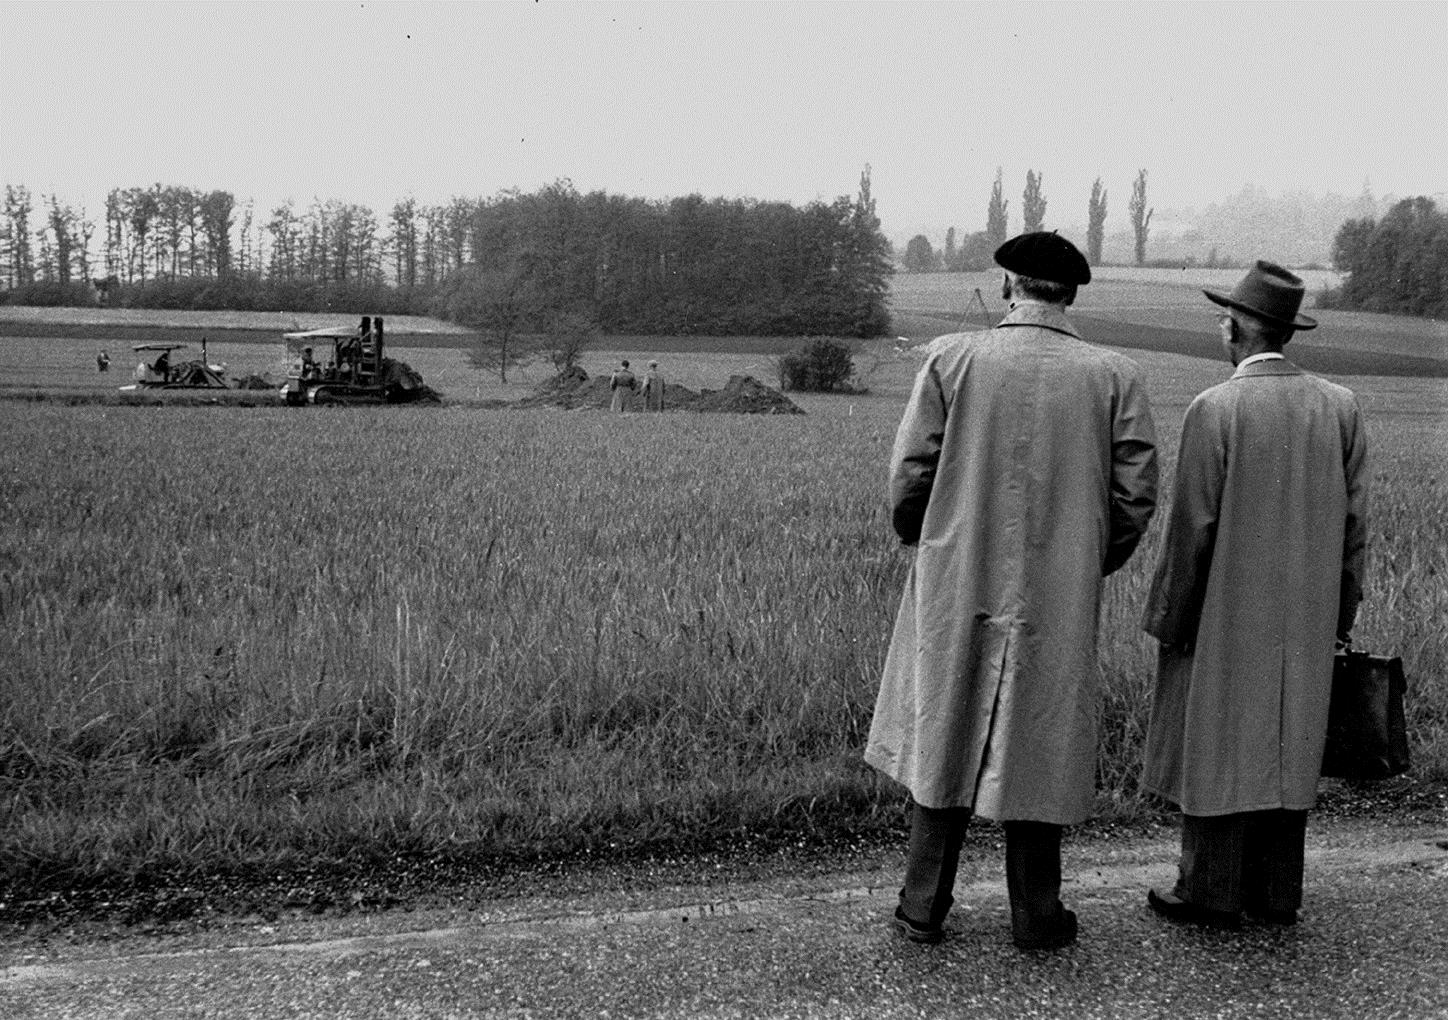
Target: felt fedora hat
[1270, 293]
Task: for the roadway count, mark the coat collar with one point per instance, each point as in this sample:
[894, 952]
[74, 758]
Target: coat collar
[1043, 316]
[1276, 366]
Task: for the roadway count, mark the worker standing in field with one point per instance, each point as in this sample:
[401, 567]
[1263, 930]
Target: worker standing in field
[1023, 472]
[653, 388]
[1260, 569]
[621, 385]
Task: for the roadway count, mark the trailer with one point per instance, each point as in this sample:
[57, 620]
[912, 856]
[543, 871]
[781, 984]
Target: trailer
[166, 373]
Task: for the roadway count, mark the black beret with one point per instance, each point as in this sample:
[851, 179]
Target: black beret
[1044, 255]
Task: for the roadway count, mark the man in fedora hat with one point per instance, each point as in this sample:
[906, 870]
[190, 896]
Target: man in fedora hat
[1260, 570]
[1023, 471]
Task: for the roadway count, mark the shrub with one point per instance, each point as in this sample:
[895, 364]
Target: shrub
[825, 366]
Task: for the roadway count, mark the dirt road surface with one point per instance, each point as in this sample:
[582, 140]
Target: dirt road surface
[1372, 943]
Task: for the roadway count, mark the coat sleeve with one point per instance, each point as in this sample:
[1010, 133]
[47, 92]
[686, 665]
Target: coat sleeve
[1179, 588]
[1133, 473]
[916, 455]
[1355, 530]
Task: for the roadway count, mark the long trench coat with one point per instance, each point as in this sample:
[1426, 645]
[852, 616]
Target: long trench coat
[653, 391]
[1260, 567]
[621, 386]
[1025, 465]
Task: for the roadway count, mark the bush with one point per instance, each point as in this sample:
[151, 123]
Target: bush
[825, 366]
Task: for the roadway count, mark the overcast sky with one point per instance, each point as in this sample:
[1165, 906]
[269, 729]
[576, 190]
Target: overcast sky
[371, 102]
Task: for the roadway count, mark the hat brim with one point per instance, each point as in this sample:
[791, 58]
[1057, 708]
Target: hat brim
[1300, 322]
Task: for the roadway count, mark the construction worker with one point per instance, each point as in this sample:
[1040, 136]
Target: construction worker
[653, 390]
[622, 385]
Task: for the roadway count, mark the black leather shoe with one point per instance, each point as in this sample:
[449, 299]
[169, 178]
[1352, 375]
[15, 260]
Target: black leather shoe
[1174, 908]
[927, 934]
[1061, 932]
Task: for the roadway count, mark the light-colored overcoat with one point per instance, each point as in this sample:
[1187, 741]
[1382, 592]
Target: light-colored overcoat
[621, 385]
[1261, 563]
[653, 390]
[1026, 464]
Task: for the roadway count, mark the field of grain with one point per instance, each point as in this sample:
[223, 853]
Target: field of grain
[271, 637]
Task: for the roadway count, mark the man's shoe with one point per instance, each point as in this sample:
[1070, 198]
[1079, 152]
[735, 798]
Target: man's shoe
[1173, 908]
[927, 934]
[1061, 932]
[1263, 915]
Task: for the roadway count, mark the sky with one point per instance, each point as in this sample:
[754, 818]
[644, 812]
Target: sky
[783, 100]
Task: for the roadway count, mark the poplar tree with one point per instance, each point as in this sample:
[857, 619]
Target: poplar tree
[1095, 223]
[995, 214]
[1140, 216]
[1033, 203]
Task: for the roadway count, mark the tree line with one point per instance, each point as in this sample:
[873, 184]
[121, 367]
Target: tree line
[1396, 264]
[974, 252]
[684, 265]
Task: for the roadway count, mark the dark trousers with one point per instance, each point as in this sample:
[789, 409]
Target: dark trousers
[1250, 861]
[1033, 868]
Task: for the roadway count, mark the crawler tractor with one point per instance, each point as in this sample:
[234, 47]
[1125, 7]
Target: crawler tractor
[346, 366]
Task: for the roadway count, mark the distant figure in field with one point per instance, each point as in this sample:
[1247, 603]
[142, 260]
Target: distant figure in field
[1260, 569]
[103, 362]
[622, 384]
[653, 390]
[162, 367]
[1024, 471]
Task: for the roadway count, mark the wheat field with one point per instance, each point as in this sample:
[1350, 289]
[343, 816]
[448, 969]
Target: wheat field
[274, 636]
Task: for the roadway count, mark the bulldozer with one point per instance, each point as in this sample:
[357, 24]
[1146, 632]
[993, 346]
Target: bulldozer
[166, 373]
[341, 365]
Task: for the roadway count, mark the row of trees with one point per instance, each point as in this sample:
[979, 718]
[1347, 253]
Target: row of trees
[687, 265]
[974, 251]
[1397, 264]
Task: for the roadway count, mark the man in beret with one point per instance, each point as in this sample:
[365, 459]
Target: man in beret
[1260, 569]
[1024, 471]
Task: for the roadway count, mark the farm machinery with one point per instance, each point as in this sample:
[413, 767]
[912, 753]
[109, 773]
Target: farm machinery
[339, 365]
[164, 372]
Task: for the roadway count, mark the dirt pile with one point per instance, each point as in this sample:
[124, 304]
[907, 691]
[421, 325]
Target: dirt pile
[742, 394]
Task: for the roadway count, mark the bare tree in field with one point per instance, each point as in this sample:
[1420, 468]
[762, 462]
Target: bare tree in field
[1033, 203]
[995, 215]
[1140, 216]
[498, 304]
[1096, 223]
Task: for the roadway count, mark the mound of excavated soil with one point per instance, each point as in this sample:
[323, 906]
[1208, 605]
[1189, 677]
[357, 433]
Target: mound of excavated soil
[742, 394]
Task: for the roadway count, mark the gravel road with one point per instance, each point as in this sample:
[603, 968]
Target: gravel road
[1373, 942]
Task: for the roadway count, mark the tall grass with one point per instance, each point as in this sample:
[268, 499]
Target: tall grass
[278, 636]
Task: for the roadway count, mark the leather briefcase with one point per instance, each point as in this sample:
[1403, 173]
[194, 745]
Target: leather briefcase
[1367, 734]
